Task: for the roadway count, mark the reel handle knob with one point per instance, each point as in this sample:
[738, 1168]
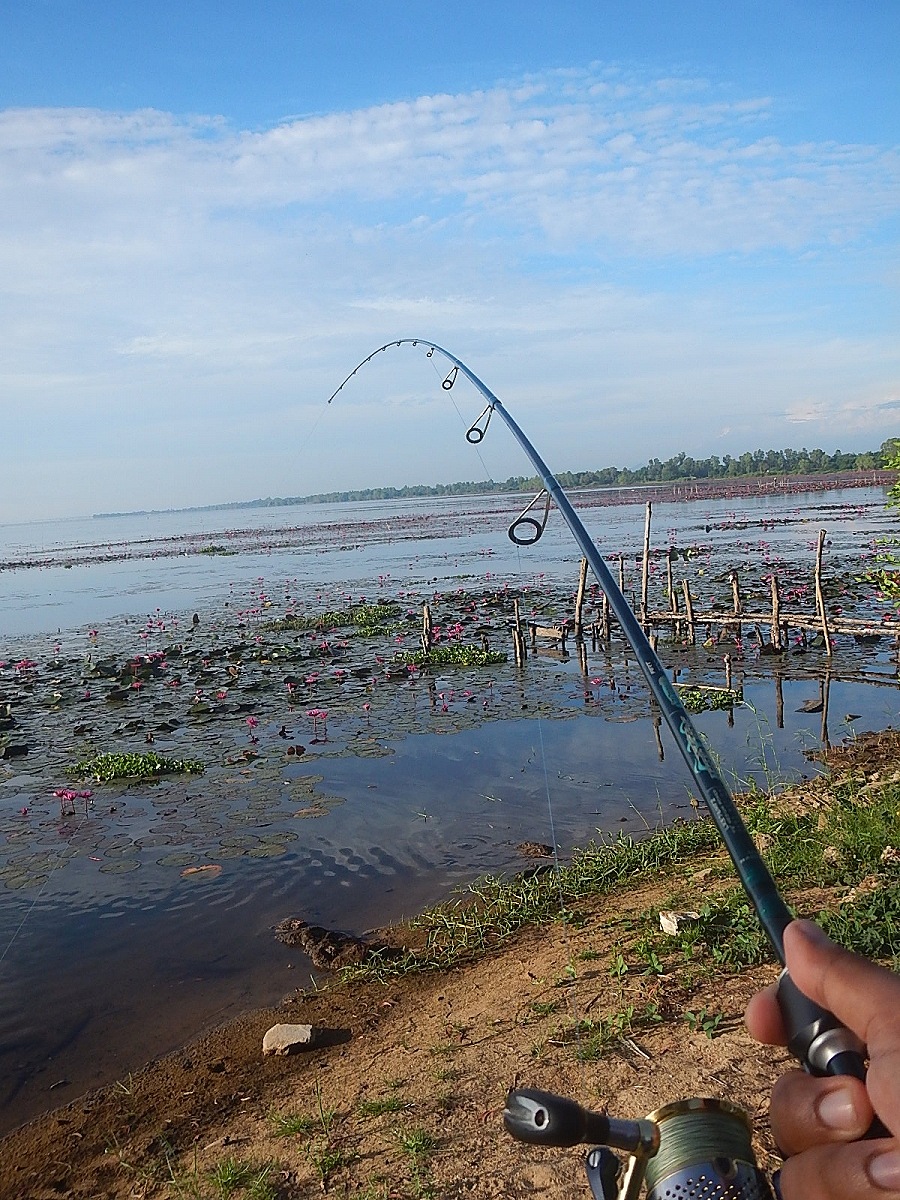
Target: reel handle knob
[543, 1119]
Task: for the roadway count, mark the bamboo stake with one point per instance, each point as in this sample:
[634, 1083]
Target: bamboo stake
[645, 566]
[689, 610]
[579, 598]
[820, 595]
[776, 614]
[736, 596]
[518, 637]
[427, 629]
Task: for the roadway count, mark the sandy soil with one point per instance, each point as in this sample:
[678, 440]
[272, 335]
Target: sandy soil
[443, 1049]
[422, 1063]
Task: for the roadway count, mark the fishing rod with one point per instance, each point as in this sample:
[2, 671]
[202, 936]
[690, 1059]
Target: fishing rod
[815, 1037]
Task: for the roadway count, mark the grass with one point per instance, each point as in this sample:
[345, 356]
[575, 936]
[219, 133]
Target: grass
[382, 1105]
[291, 1124]
[492, 909]
[593, 1038]
[230, 1179]
[419, 1147]
[849, 841]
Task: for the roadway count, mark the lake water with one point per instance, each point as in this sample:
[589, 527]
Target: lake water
[422, 784]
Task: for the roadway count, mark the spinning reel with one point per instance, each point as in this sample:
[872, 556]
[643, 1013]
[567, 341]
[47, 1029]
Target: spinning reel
[695, 1149]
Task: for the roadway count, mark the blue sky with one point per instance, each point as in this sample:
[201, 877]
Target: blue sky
[648, 226]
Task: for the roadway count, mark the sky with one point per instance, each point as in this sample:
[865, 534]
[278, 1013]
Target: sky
[649, 226]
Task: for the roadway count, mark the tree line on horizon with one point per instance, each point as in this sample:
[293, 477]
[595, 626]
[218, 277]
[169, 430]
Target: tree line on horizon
[681, 467]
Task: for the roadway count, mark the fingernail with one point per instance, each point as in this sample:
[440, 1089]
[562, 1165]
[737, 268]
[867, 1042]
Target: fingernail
[837, 1110]
[811, 932]
[884, 1170]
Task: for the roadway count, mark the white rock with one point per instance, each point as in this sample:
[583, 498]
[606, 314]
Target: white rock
[671, 922]
[285, 1039]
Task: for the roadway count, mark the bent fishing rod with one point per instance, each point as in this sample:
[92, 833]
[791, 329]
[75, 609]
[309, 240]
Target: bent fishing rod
[815, 1037]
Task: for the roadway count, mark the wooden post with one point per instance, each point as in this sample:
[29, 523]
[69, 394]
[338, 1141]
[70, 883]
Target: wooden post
[776, 614]
[645, 566]
[736, 595]
[622, 574]
[820, 595]
[518, 636]
[689, 610]
[427, 629]
[579, 598]
[607, 632]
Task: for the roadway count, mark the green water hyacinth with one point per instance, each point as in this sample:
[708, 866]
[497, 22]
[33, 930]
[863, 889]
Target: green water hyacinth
[453, 656]
[105, 767]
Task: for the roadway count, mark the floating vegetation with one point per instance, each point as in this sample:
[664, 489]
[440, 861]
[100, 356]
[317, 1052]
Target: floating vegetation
[362, 615]
[105, 767]
[453, 656]
[698, 699]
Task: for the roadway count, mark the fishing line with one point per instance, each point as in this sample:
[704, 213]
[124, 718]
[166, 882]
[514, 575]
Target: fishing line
[572, 993]
[58, 863]
[815, 1036]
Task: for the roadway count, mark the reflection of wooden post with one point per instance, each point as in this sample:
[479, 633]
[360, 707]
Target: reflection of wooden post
[579, 598]
[727, 661]
[689, 610]
[670, 585]
[427, 629]
[583, 659]
[824, 690]
[779, 701]
[820, 595]
[645, 568]
[660, 751]
[776, 614]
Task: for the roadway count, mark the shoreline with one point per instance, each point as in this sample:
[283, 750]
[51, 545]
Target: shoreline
[569, 1005]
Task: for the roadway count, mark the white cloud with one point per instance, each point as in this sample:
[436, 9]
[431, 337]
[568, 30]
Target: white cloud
[605, 245]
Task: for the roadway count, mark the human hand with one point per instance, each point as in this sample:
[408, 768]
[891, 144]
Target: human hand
[818, 1122]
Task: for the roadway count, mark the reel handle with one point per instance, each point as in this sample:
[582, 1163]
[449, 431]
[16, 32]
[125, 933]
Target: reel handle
[543, 1119]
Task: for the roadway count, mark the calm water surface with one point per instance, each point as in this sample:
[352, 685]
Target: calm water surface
[375, 835]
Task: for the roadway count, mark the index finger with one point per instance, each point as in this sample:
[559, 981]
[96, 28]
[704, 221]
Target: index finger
[861, 994]
[864, 996]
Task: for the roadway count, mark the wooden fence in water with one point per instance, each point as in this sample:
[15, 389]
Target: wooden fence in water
[771, 627]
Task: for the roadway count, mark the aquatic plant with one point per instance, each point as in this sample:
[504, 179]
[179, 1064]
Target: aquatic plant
[367, 617]
[107, 766]
[708, 699]
[452, 656]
